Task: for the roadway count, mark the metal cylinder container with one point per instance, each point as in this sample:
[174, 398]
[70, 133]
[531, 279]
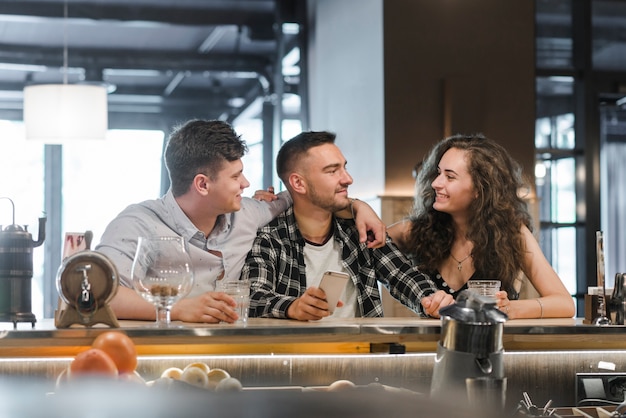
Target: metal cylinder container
[16, 271]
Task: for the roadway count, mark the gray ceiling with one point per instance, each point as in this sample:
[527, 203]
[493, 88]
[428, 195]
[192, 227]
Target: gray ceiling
[178, 59]
[181, 58]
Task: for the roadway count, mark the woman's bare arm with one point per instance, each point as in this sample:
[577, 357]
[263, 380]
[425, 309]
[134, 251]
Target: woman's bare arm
[554, 301]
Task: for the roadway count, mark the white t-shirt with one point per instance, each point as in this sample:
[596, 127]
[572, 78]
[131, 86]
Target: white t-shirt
[322, 258]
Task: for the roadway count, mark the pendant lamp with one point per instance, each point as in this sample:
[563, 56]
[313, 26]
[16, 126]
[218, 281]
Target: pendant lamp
[57, 113]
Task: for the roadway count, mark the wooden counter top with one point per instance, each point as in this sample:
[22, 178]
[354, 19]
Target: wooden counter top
[262, 336]
[542, 356]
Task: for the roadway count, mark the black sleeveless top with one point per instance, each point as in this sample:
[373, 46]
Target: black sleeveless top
[442, 285]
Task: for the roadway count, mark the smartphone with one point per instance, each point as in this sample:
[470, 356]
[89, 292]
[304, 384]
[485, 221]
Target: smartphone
[333, 283]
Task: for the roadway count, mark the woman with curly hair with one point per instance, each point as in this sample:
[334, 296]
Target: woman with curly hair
[469, 222]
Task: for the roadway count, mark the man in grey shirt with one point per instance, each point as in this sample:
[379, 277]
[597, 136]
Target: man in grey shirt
[204, 205]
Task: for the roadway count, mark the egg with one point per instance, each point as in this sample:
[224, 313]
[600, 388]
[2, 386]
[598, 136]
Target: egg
[195, 376]
[172, 373]
[216, 376]
[341, 385]
[229, 384]
[199, 364]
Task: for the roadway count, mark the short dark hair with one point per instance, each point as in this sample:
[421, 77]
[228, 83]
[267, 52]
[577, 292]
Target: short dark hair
[200, 147]
[291, 151]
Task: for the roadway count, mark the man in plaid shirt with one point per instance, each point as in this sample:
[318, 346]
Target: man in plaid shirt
[291, 253]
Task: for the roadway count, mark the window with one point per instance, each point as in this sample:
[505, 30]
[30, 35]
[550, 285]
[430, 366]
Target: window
[553, 38]
[555, 174]
[99, 179]
[251, 131]
[608, 35]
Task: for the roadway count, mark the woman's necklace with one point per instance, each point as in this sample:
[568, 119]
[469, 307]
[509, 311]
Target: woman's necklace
[459, 264]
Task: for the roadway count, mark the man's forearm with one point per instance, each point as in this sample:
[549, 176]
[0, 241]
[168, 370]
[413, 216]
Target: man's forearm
[127, 304]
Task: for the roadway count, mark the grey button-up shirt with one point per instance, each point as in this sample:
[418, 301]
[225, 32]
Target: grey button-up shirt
[232, 236]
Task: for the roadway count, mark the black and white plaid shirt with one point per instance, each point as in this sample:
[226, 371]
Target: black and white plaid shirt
[276, 269]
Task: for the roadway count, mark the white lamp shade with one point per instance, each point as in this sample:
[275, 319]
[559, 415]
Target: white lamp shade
[55, 113]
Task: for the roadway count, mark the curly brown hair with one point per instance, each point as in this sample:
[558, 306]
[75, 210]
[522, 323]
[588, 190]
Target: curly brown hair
[495, 219]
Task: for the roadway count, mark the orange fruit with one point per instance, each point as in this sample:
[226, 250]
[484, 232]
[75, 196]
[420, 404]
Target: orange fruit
[120, 348]
[93, 362]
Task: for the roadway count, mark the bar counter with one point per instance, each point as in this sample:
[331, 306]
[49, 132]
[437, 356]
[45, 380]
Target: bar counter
[542, 357]
[263, 336]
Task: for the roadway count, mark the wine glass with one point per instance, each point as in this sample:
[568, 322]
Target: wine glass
[162, 273]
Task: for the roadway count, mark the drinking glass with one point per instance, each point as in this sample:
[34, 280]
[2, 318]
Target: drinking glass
[484, 287]
[162, 273]
[240, 291]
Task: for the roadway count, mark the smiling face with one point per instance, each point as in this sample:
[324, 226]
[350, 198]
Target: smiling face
[454, 187]
[226, 188]
[326, 177]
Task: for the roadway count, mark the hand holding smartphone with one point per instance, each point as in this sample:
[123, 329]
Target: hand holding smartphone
[333, 283]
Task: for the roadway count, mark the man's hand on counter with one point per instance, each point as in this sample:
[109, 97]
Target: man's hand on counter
[209, 307]
[436, 301]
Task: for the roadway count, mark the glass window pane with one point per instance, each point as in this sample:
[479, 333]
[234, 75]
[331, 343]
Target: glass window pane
[543, 131]
[554, 127]
[253, 168]
[563, 193]
[100, 178]
[608, 42]
[22, 173]
[554, 34]
[613, 189]
[564, 135]
[291, 128]
[556, 191]
[251, 131]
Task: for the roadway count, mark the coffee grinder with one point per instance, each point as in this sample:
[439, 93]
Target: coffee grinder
[16, 270]
[470, 345]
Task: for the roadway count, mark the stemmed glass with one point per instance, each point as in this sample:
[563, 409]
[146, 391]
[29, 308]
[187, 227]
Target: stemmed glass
[162, 273]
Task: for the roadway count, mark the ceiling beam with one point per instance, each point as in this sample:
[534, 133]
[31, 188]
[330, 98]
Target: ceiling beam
[133, 59]
[230, 12]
